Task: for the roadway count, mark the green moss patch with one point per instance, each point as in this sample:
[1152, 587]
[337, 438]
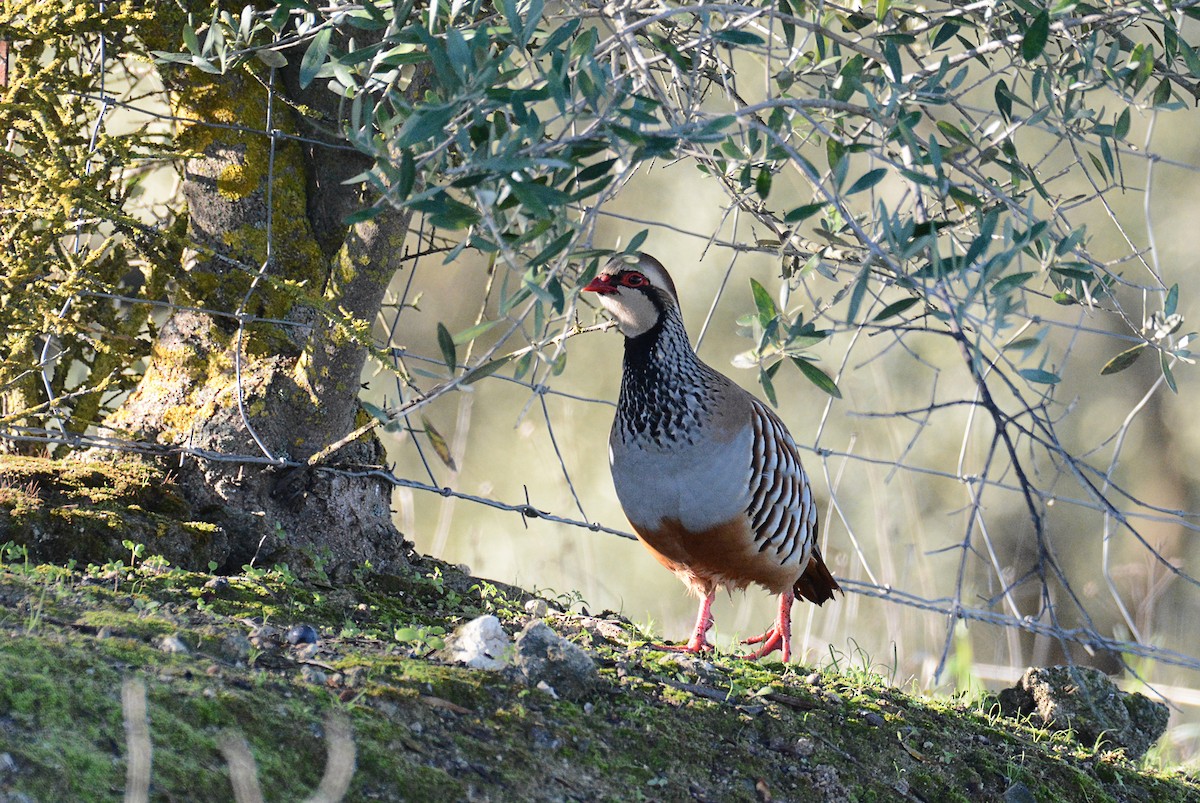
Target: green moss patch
[215, 659]
[64, 509]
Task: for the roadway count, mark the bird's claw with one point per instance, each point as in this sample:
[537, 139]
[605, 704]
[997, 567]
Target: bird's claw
[692, 646]
[771, 641]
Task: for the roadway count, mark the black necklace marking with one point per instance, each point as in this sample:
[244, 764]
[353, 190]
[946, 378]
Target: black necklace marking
[666, 391]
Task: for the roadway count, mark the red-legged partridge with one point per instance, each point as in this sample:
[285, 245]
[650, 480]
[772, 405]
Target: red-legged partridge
[707, 474]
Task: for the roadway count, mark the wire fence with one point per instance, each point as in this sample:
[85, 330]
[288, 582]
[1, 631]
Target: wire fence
[972, 474]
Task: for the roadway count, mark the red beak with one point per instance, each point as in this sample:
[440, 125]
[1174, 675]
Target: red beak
[603, 284]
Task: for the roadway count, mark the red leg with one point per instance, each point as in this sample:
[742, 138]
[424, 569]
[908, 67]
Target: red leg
[699, 640]
[779, 637]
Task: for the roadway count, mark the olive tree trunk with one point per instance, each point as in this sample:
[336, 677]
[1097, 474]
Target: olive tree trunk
[225, 381]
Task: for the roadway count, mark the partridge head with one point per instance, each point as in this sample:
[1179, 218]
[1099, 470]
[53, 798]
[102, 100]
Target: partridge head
[707, 474]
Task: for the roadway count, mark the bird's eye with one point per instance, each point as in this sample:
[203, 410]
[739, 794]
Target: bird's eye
[634, 280]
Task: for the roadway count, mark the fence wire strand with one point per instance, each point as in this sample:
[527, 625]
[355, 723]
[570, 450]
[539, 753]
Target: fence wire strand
[1007, 441]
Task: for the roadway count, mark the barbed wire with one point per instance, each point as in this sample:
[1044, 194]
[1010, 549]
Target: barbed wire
[1024, 458]
[949, 606]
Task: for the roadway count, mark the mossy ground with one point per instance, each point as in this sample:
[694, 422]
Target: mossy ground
[63, 509]
[661, 726]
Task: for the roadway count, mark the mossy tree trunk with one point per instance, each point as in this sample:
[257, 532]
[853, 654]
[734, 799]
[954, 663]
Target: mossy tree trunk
[225, 381]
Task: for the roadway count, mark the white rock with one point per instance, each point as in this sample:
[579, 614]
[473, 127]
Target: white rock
[480, 644]
[536, 607]
[173, 644]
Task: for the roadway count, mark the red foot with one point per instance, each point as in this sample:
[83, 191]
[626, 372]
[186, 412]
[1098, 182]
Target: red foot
[779, 637]
[699, 640]
[692, 647]
[771, 641]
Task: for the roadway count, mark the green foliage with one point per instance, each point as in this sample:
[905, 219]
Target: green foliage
[524, 116]
[779, 335]
[508, 127]
[70, 235]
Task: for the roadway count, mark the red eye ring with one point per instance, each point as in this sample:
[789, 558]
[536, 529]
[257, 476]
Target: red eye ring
[634, 279]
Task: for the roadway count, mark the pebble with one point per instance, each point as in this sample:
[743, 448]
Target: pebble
[173, 644]
[305, 652]
[543, 656]
[480, 644]
[303, 634]
[537, 608]
[313, 675]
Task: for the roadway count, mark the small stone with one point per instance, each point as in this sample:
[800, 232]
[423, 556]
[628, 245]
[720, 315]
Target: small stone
[480, 644]
[212, 670]
[804, 747]
[235, 647]
[303, 634]
[546, 687]
[310, 674]
[537, 608]
[7, 765]
[265, 636]
[218, 583]
[306, 652]
[173, 644]
[813, 679]
[1019, 793]
[544, 656]
[874, 720]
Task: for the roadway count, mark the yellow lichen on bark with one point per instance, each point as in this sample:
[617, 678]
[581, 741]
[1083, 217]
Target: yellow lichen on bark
[237, 181]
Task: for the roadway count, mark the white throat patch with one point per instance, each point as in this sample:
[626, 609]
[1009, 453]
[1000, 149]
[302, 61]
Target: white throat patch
[634, 312]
